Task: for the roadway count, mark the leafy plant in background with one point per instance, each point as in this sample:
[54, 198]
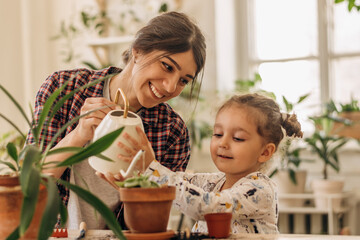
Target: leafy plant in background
[351, 4]
[98, 22]
[30, 162]
[323, 142]
[252, 85]
[291, 160]
[10, 142]
[199, 129]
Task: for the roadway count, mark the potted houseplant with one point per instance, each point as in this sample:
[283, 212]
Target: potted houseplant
[349, 119]
[289, 177]
[147, 205]
[33, 188]
[326, 145]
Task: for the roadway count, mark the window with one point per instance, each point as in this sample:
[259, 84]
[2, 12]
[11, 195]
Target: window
[303, 46]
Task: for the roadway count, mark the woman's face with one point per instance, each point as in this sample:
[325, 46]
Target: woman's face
[158, 81]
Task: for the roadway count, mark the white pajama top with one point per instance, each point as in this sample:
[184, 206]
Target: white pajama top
[252, 200]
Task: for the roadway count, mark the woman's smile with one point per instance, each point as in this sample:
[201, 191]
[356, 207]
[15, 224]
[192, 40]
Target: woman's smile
[155, 91]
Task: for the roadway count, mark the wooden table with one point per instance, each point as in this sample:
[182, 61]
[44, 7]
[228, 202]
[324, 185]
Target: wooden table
[108, 235]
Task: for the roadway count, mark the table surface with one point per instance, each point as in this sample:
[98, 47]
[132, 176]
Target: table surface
[108, 235]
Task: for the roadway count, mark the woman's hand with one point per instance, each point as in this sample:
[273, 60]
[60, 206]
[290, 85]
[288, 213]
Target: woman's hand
[87, 125]
[143, 144]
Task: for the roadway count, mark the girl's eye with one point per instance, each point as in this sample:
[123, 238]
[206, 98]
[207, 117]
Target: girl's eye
[217, 135]
[167, 66]
[183, 81]
[239, 139]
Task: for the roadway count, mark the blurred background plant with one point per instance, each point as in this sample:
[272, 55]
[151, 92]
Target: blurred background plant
[10, 142]
[290, 160]
[103, 20]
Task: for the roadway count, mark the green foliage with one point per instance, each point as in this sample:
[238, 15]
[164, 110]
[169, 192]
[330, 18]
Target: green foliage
[30, 162]
[138, 181]
[351, 4]
[199, 130]
[324, 144]
[291, 160]
[252, 86]
[353, 106]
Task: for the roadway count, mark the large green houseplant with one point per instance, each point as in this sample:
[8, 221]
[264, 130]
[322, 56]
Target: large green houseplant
[29, 163]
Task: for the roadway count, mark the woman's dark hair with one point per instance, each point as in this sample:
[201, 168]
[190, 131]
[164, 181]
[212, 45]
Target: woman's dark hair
[173, 33]
[265, 112]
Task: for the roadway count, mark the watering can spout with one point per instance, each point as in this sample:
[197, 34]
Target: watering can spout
[132, 164]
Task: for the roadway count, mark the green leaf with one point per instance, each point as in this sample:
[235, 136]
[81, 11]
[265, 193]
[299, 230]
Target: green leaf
[30, 199]
[9, 164]
[18, 106]
[273, 173]
[64, 149]
[63, 214]
[51, 211]
[13, 125]
[292, 176]
[94, 148]
[32, 155]
[98, 205]
[302, 98]
[14, 235]
[11, 149]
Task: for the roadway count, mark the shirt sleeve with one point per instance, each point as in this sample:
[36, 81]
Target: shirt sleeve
[252, 198]
[177, 154]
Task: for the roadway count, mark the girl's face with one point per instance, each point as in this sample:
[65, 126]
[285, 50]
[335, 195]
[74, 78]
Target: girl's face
[162, 79]
[236, 147]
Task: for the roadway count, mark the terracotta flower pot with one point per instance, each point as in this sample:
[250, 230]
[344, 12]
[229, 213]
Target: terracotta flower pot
[218, 224]
[147, 210]
[10, 208]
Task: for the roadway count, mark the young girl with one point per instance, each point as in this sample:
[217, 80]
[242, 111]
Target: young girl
[247, 131]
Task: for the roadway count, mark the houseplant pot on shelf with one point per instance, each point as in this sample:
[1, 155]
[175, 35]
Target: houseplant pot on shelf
[27, 166]
[146, 204]
[326, 146]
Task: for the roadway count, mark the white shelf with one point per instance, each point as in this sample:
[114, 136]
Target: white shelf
[347, 208]
[108, 41]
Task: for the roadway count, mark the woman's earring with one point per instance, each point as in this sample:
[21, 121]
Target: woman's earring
[134, 60]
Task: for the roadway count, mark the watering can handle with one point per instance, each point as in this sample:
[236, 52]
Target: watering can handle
[132, 164]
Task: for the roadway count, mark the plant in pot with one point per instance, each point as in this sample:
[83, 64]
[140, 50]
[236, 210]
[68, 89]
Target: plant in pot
[147, 206]
[30, 205]
[289, 177]
[348, 119]
[326, 145]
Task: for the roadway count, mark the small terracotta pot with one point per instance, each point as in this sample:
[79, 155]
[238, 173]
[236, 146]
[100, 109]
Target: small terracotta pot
[218, 224]
[147, 210]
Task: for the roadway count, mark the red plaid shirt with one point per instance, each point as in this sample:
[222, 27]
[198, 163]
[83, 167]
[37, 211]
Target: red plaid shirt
[164, 128]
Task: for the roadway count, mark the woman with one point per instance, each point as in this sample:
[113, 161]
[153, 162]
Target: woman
[166, 55]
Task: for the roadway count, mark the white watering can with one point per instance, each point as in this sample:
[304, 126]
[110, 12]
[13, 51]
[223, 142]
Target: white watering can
[114, 120]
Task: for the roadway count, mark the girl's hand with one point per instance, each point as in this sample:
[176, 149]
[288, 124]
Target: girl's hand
[87, 125]
[143, 144]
